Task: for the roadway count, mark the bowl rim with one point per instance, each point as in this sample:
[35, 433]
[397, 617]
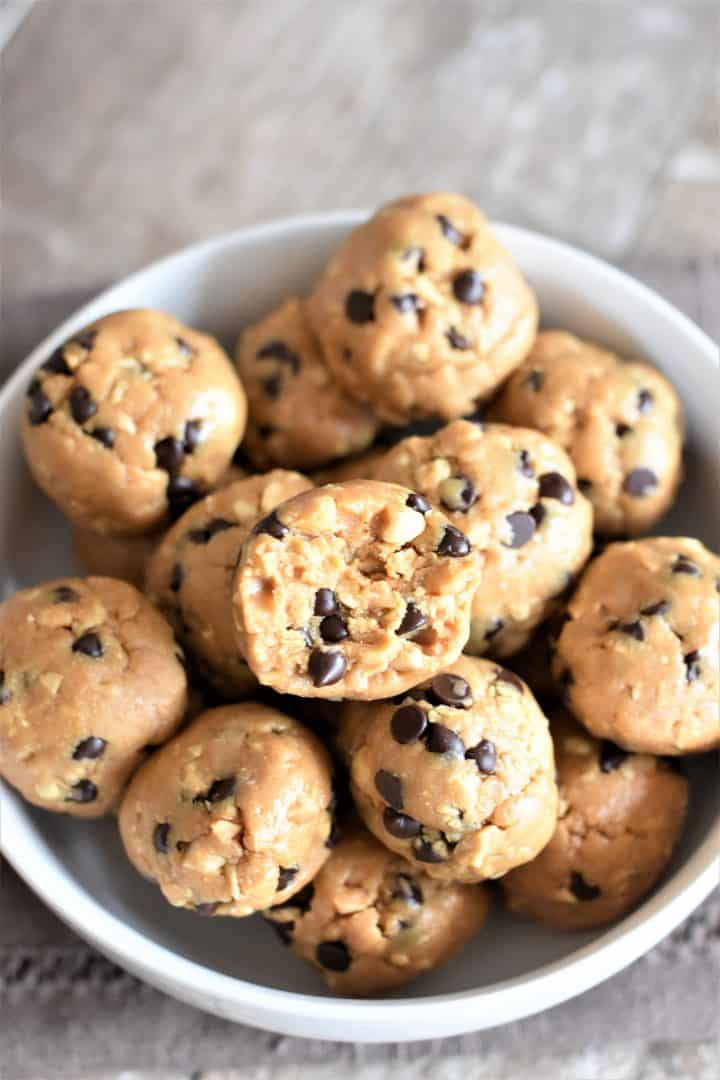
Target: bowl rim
[497, 1003]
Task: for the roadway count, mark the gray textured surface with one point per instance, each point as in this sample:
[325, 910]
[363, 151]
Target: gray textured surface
[133, 127]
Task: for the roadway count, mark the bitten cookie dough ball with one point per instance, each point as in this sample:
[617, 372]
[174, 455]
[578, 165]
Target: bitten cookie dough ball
[620, 817]
[190, 575]
[123, 557]
[299, 416]
[458, 774]
[132, 419]
[234, 814]
[353, 590]
[421, 311]
[513, 492]
[90, 680]
[370, 921]
[621, 424]
[637, 657]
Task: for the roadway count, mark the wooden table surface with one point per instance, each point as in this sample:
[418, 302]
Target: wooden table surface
[133, 127]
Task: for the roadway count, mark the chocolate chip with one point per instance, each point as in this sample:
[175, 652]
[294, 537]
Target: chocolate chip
[399, 825]
[582, 889]
[5, 694]
[611, 756]
[183, 347]
[555, 486]
[406, 302]
[326, 668]
[458, 493]
[273, 526]
[450, 232]
[522, 527]
[333, 628]
[284, 930]
[692, 665]
[494, 629]
[407, 890]
[468, 287]
[644, 400]
[656, 609]
[40, 406]
[413, 620]
[56, 363]
[622, 429]
[206, 910]
[325, 602]
[104, 435]
[333, 955]
[278, 350]
[458, 340]
[82, 405]
[360, 306]
[389, 787]
[204, 536]
[93, 747]
[640, 482]
[484, 755]
[88, 645]
[454, 543]
[176, 579]
[418, 502]
[535, 380]
[538, 514]
[683, 565]
[442, 740]
[169, 454]
[272, 386]
[423, 851]
[160, 838]
[219, 790]
[584, 484]
[286, 876]
[82, 792]
[181, 494]
[452, 690]
[632, 629]
[408, 724]
[503, 675]
[525, 466]
[65, 595]
[191, 439]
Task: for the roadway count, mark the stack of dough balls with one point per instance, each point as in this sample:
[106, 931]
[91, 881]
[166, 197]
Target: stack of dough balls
[314, 694]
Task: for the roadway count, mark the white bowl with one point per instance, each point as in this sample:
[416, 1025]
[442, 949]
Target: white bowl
[236, 968]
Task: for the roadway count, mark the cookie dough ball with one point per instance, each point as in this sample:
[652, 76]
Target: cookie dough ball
[621, 424]
[421, 312]
[637, 657]
[513, 492]
[233, 814]
[123, 557]
[458, 774]
[299, 416]
[370, 921]
[620, 817]
[132, 419]
[190, 575]
[90, 679]
[354, 590]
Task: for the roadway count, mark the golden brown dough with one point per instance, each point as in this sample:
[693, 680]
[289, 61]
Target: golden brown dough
[90, 680]
[619, 820]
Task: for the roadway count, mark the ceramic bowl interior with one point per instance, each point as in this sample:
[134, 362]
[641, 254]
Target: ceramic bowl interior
[513, 967]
